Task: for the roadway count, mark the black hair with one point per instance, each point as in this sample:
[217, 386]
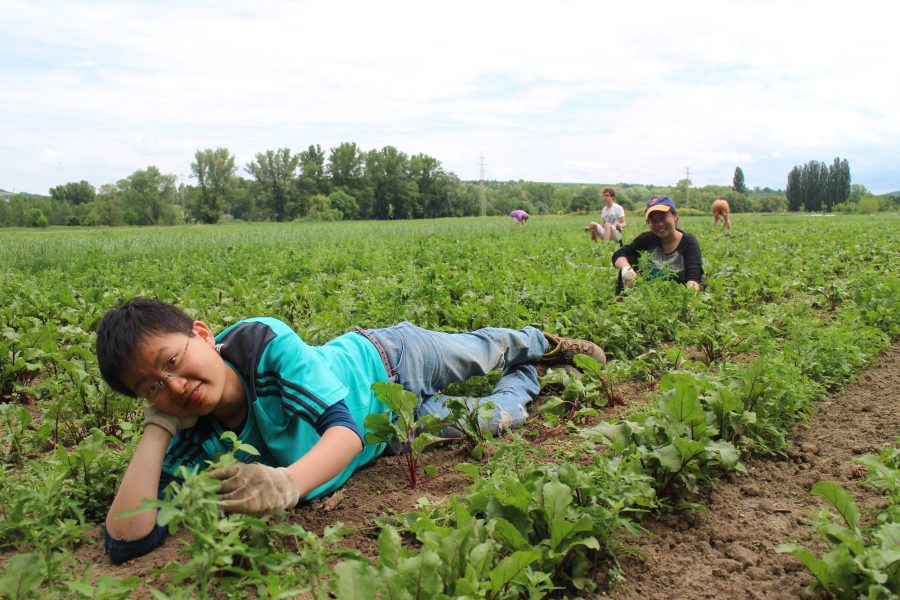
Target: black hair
[125, 327]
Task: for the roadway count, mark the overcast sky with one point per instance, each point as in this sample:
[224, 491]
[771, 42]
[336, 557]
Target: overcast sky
[574, 91]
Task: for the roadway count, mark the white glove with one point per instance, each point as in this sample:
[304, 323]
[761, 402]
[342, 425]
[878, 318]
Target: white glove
[256, 488]
[169, 422]
[629, 276]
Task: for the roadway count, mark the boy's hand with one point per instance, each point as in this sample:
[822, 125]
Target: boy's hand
[170, 423]
[256, 488]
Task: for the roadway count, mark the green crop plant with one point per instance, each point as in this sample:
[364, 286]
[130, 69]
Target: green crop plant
[862, 559]
[399, 428]
[468, 416]
[794, 309]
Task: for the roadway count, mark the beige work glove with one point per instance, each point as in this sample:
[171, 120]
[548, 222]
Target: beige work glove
[256, 488]
[629, 276]
[170, 423]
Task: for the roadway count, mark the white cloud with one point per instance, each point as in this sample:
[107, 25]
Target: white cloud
[561, 92]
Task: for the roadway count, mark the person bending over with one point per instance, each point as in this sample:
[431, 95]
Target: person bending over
[303, 407]
[721, 210]
[672, 252]
[519, 216]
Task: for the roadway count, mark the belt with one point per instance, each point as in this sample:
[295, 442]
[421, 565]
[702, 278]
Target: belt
[381, 352]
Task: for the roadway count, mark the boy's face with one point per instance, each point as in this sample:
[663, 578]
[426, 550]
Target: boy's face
[181, 375]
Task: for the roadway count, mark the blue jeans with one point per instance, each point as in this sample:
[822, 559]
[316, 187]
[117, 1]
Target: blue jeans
[425, 362]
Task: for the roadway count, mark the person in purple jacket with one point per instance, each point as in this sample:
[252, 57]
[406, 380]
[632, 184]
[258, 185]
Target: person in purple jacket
[672, 252]
[520, 216]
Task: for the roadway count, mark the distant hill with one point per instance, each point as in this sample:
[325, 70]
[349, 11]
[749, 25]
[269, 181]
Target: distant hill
[897, 193]
[6, 195]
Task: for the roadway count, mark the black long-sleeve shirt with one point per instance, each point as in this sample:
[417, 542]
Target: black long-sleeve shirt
[684, 263]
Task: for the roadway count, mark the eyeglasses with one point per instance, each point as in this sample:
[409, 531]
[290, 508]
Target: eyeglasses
[172, 366]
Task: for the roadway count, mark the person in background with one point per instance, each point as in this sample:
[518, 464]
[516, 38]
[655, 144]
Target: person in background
[613, 217]
[672, 252]
[519, 216]
[721, 209]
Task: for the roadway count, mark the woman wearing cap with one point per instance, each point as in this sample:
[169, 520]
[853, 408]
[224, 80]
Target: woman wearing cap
[671, 251]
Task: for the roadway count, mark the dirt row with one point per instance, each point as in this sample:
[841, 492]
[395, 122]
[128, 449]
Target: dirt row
[729, 551]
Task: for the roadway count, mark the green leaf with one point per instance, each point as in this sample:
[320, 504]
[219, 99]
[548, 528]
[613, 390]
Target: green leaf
[588, 364]
[815, 566]
[356, 580]
[669, 456]
[470, 470]
[511, 569]
[380, 429]
[507, 534]
[616, 436]
[727, 453]
[423, 440]
[390, 547]
[80, 587]
[24, 573]
[395, 397]
[683, 403]
[839, 499]
[420, 575]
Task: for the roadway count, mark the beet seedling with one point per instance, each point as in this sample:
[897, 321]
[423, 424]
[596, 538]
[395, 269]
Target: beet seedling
[468, 417]
[400, 429]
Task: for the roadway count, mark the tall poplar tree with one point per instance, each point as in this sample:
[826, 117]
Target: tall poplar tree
[738, 181]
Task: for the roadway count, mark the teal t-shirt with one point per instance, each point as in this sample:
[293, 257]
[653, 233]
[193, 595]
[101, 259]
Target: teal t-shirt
[289, 385]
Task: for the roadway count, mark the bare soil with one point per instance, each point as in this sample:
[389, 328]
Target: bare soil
[730, 550]
[726, 551]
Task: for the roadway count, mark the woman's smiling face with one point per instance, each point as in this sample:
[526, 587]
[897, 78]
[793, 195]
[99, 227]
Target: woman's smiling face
[662, 223]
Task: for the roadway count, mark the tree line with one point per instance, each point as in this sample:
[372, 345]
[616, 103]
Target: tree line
[815, 186]
[350, 183]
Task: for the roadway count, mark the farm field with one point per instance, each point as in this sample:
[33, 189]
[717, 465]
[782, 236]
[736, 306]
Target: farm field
[715, 384]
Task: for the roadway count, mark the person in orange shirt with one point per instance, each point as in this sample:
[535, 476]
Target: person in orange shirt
[721, 210]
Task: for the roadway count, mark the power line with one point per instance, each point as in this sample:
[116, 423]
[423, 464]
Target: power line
[687, 187]
[481, 164]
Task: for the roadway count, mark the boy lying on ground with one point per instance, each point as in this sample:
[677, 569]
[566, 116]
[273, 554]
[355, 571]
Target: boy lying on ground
[303, 407]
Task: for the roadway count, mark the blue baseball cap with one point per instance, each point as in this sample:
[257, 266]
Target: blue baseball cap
[659, 203]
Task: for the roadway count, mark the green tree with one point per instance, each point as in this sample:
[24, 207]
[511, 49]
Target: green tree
[587, 199]
[148, 196]
[313, 178]
[438, 190]
[738, 181]
[838, 183]
[540, 196]
[345, 203]
[768, 203]
[396, 195]
[106, 208]
[74, 193]
[214, 170]
[276, 174]
[37, 218]
[346, 168]
[562, 200]
[793, 191]
[320, 209]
